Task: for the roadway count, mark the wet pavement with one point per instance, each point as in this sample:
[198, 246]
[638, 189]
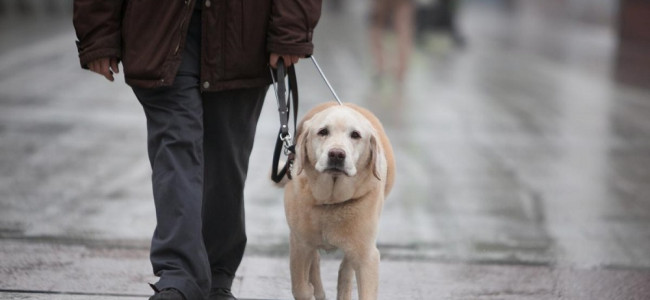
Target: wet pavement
[523, 168]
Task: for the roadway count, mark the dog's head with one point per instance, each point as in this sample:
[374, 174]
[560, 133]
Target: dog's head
[337, 141]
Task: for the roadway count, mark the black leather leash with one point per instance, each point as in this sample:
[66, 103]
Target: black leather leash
[285, 139]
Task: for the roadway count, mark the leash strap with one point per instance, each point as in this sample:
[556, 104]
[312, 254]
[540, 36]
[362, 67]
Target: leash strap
[285, 139]
[284, 109]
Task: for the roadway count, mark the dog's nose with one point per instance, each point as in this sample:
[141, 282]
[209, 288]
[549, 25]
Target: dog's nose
[336, 155]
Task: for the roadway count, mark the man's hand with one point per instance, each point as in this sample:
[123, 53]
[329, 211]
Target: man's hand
[105, 66]
[288, 59]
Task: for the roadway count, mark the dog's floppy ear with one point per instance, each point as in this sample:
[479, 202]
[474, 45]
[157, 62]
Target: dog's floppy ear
[375, 151]
[301, 148]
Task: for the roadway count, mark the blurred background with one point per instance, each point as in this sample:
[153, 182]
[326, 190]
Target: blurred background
[521, 129]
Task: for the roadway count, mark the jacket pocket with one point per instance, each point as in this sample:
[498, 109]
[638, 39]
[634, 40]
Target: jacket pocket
[151, 31]
[246, 55]
[235, 24]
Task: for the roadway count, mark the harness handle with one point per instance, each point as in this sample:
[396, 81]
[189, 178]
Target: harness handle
[327, 82]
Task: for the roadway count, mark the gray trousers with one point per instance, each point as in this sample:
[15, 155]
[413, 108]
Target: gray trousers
[199, 145]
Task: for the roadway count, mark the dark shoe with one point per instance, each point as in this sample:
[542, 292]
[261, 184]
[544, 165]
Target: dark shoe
[167, 294]
[221, 294]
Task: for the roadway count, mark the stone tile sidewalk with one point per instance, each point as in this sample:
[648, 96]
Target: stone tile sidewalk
[50, 269]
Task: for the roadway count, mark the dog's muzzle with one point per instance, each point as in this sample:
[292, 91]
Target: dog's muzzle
[336, 160]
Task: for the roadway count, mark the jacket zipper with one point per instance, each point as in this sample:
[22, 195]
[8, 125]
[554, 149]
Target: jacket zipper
[188, 3]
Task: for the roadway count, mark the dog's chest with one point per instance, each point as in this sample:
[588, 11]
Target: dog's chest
[334, 224]
[328, 238]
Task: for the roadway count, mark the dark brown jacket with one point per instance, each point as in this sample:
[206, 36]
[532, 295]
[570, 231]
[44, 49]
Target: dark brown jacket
[237, 37]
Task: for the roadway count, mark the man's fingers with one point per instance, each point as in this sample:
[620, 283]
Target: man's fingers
[287, 58]
[103, 66]
[93, 66]
[290, 60]
[109, 75]
[273, 60]
[287, 61]
[114, 66]
[104, 69]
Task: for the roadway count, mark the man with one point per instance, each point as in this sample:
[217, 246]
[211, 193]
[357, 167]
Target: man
[200, 70]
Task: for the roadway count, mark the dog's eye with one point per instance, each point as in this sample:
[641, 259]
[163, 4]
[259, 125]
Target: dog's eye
[355, 135]
[323, 132]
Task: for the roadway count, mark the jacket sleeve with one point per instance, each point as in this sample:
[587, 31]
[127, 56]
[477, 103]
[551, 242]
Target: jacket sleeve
[292, 26]
[97, 24]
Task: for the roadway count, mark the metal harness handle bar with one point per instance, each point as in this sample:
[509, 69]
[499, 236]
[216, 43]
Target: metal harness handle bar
[313, 59]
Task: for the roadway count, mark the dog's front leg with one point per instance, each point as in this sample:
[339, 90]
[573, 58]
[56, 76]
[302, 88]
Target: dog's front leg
[367, 272]
[346, 273]
[314, 277]
[300, 260]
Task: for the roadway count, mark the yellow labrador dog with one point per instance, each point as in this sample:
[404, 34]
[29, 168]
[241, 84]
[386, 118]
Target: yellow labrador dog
[343, 170]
